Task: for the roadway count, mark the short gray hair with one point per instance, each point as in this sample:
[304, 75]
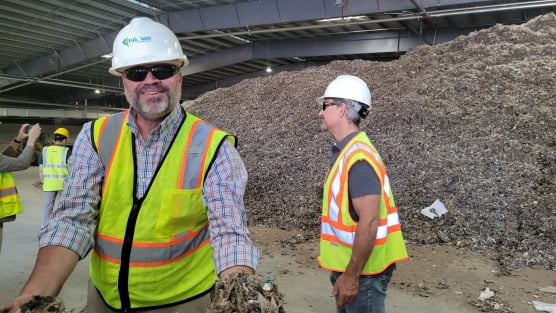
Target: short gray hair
[354, 109]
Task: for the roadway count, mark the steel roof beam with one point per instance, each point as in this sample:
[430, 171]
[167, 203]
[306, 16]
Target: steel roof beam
[264, 12]
[366, 43]
[362, 43]
[245, 14]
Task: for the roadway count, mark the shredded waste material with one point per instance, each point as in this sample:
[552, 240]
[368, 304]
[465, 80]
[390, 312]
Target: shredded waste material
[40, 304]
[242, 293]
[471, 122]
[237, 293]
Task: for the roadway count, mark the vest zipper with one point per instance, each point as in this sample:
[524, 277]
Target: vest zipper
[123, 277]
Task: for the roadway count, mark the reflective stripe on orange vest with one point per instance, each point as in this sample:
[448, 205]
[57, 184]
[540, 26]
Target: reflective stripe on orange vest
[336, 234]
[332, 223]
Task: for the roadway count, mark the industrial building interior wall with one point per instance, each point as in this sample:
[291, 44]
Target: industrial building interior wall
[9, 130]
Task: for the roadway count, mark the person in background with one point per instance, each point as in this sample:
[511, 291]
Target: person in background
[361, 237]
[11, 160]
[53, 169]
[155, 192]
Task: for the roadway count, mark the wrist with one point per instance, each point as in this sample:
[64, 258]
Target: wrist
[16, 141]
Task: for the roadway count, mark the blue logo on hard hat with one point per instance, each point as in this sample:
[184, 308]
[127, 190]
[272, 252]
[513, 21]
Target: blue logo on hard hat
[127, 41]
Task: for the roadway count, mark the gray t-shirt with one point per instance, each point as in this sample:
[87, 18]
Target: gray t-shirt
[362, 179]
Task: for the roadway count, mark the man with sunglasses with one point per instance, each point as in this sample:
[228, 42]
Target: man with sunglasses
[156, 193]
[361, 238]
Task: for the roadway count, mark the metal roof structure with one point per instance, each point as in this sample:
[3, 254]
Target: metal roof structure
[54, 54]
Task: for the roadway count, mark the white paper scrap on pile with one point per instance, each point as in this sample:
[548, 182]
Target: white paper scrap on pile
[486, 294]
[437, 209]
[544, 307]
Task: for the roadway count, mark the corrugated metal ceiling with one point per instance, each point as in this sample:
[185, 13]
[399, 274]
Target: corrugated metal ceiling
[48, 59]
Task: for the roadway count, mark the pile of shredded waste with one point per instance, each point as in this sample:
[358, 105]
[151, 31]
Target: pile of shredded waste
[470, 122]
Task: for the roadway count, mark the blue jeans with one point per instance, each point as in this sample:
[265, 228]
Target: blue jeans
[372, 292]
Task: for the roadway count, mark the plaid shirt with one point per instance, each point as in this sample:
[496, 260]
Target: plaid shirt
[75, 220]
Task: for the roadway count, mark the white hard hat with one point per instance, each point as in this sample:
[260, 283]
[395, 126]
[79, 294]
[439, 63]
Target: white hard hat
[145, 41]
[348, 87]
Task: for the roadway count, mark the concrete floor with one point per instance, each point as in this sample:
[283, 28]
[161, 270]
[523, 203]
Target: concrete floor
[20, 242]
[305, 289]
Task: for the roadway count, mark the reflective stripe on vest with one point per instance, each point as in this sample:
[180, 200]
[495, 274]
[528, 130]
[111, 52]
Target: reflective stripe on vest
[54, 169]
[386, 226]
[10, 203]
[337, 226]
[169, 258]
[152, 254]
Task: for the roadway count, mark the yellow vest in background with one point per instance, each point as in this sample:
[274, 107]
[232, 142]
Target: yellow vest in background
[10, 203]
[54, 168]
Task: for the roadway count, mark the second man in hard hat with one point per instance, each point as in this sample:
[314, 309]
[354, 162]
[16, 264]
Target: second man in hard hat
[361, 237]
[154, 193]
[53, 169]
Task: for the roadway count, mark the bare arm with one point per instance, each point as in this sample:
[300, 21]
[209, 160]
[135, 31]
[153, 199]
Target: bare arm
[33, 135]
[12, 149]
[23, 161]
[347, 285]
[53, 266]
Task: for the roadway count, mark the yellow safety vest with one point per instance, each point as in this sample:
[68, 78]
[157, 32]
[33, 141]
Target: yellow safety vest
[337, 226]
[153, 251]
[55, 168]
[10, 203]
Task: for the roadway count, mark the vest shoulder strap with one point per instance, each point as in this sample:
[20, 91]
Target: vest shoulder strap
[100, 139]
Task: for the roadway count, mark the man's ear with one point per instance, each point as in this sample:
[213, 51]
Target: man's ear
[343, 108]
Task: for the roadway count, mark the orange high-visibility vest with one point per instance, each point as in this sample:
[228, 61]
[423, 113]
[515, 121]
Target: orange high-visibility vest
[337, 226]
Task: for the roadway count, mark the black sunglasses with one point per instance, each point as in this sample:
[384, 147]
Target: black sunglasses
[160, 71]
[327, 104]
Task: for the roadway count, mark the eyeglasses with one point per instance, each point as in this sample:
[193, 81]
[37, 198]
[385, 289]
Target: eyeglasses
[160, 71]
[327, 104]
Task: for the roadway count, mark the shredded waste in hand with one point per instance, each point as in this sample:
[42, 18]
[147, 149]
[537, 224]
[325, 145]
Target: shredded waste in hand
[244, 293]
